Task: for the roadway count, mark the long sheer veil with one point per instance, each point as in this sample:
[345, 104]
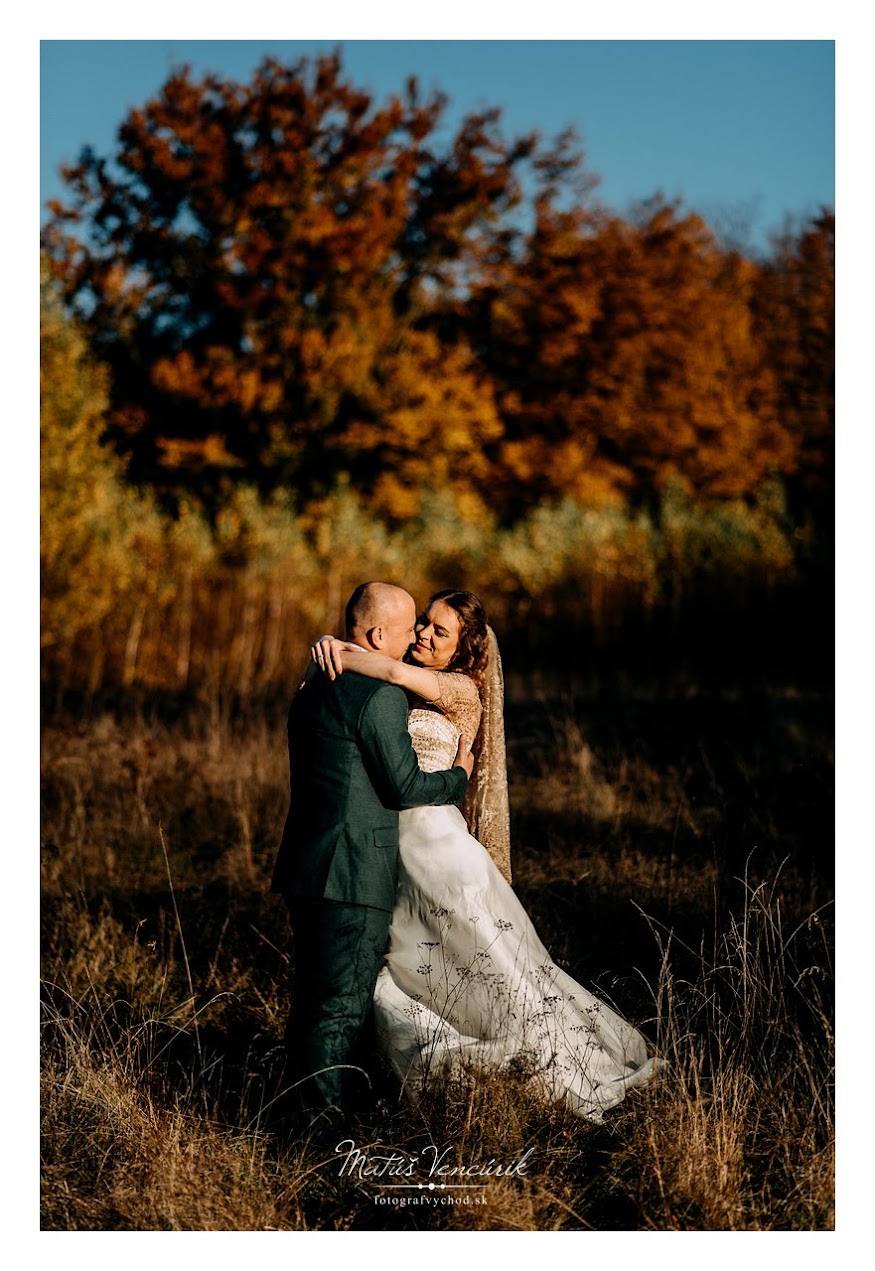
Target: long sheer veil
[486, 807]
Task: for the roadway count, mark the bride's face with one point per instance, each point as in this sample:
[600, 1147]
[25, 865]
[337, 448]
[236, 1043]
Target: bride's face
[437, 637]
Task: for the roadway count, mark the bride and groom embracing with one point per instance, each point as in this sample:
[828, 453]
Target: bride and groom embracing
[401, 906]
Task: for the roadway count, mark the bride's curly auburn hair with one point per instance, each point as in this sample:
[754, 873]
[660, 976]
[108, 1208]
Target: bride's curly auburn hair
[472, 654]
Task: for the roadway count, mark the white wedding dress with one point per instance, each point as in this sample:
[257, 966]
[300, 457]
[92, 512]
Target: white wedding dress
[467, 978]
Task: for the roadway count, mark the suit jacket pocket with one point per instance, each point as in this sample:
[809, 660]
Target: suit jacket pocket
[386, 836]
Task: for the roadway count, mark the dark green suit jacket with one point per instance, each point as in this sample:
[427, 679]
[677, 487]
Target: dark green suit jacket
[352, 768]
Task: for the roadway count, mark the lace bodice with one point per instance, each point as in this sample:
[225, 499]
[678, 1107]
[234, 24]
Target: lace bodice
[435, 738]
[435, 729]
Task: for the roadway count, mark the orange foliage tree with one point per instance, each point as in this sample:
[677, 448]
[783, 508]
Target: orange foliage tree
[625, 360]
[256, 270]
[794, 315]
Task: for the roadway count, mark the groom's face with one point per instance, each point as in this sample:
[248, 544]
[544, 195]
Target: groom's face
[398, 629]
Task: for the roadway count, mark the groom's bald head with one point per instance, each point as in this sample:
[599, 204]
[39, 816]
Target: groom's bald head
[381, 616]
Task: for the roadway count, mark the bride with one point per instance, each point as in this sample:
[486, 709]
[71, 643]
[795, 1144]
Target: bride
[465, 977]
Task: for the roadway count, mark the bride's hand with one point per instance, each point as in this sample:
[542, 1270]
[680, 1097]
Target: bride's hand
[464, 756]
[326, 654]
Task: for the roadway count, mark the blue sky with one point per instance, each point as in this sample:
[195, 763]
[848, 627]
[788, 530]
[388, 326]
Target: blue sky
[741, 131]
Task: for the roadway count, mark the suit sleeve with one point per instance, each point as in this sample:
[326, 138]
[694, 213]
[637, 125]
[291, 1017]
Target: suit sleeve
[391, 760]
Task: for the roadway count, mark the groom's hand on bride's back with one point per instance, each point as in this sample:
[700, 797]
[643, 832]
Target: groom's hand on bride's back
[464, 757]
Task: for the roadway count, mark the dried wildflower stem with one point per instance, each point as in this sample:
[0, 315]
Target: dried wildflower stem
[197, 1038]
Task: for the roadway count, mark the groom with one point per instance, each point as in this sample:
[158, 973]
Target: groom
[352, 767]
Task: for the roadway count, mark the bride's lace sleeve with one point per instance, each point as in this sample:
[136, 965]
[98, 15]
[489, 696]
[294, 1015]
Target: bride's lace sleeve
[459, 700]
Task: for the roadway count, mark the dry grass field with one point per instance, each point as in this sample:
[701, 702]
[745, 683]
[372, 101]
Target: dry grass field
[674, 851]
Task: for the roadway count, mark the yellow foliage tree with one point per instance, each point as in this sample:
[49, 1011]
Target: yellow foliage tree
[100, 540]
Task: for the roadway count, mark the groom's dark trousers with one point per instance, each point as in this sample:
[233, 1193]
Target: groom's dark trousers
[352, 768]
[338, 951]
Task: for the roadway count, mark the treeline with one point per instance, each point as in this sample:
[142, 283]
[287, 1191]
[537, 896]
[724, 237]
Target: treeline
[132, 595]
[293, 337]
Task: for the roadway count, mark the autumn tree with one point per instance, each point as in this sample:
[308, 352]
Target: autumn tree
[255, 264]
[794, 315]
[99, 538]
[624, 359]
